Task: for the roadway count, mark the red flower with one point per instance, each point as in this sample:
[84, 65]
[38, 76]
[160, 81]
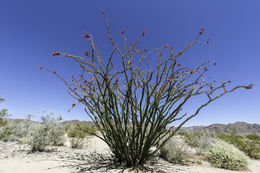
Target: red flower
[123, 31]
[165, 46]
[178, 64]
[179, 53]
[55, 53]
[40, 67]
[112, 64]
[87, 53]
[249, 86]
[202, 29]
[144, 32]
[205, 68]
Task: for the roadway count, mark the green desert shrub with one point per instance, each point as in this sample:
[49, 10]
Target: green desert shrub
[80, 129]
[249, 144]
[75, 132]
[253, 137]
[224, 155]
[89, 129]
[77, 137]
[252, 149]
[175, 150]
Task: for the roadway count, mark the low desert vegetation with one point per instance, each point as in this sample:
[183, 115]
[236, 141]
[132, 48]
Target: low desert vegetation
[223, 150]
[249, 144]
[77, 133]
[77, 141]
[5, 131]
[76, 136]
[218, 152]
[199, 141]
[80, 128]
[224, 155]
[175, 150]
[48, 132]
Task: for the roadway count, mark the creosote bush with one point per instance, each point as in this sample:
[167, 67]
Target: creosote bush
[80, 128]
[224, 155]
[132, 99]
[77, 140]
[77, 134]
[74, 132]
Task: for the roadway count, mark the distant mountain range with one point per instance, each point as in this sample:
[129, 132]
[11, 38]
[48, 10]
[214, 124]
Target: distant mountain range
[239, 128]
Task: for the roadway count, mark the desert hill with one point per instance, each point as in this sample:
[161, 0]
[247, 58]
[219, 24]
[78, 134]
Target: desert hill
[238, 128]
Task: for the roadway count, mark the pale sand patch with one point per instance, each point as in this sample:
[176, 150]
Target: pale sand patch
[14, 165]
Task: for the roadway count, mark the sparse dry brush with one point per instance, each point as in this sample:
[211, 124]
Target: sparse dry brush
[5, 131]
[133, 104]
[49, 132]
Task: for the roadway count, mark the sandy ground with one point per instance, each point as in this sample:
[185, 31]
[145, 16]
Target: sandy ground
[94, 157]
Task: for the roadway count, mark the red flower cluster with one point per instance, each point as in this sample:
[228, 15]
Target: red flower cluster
[249, 86]
[144, 32]
[87, 53]
[55, 53]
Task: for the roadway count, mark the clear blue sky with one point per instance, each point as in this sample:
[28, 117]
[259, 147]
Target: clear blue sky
[31, 30]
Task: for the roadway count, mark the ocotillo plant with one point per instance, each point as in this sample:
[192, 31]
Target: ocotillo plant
[133, 105]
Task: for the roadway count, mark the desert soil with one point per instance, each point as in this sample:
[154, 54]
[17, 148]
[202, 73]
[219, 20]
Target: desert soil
[94, 157]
